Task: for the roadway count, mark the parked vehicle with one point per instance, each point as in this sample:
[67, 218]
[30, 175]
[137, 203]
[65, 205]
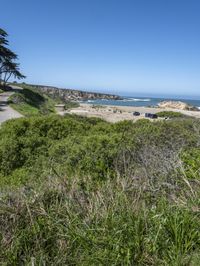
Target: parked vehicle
[152, 116]
[136, 113]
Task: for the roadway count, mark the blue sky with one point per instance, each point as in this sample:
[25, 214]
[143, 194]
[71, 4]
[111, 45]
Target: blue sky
[129, 47]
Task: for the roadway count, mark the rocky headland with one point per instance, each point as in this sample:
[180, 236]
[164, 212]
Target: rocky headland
[177, 105]
[74, 95]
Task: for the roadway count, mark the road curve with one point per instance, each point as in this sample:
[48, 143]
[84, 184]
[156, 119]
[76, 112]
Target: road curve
[6, 112]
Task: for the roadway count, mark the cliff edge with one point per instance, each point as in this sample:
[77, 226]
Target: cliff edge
[74, 95]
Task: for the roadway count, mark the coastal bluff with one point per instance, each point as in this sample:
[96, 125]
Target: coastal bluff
[72, 94]
[177, 105]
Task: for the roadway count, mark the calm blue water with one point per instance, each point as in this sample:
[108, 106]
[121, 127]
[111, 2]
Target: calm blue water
[140, 101]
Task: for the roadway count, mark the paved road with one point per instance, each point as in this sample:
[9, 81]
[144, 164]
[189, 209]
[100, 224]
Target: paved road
[6, 112]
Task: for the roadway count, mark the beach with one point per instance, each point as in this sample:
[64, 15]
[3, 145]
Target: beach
[115, 114]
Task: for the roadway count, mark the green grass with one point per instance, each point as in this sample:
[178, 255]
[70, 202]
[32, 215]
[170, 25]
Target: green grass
[32, 101]
[28, 102]
[25, 109]
[98, 106]
[72, 222]
[171, 114]
[70, 105]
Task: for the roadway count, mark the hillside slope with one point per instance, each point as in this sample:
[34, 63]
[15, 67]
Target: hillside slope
[71, 94]
[30, 102]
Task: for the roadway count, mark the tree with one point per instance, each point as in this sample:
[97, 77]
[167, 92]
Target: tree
[8, 65]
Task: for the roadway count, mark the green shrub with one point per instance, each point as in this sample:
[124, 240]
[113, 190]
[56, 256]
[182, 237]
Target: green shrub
[171, 114]
[89, 145]
[89, 155]
[70, 105]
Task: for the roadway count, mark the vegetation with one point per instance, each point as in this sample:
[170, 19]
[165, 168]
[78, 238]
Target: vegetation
[71, 104]
[81, 191]
[98, 106]
[170, 114]
[28, 102]
[31, 100]
[8, 66]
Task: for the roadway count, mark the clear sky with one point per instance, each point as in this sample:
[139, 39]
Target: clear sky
[129, 47]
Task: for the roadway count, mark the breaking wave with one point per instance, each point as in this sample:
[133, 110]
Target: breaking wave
[136, 100]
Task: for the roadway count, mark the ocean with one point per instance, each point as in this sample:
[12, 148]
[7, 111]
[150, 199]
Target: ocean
[141, 101]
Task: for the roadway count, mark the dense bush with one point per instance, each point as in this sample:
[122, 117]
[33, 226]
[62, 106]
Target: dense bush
[79, 145]
[81, 191]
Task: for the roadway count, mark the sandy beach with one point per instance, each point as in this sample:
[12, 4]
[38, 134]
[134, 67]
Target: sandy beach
[114, 114]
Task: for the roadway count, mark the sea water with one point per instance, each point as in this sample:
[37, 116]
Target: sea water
[140, 101]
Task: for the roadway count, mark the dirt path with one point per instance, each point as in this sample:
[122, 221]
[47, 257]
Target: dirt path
[6, 112]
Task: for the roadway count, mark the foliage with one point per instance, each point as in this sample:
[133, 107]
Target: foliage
[58, 99]
[74, 222]
[28, 102]
[170, 114]
[90, 146]
[98, 106]
[191, 162]
[82, 191]
[70, 105]
[8, 65]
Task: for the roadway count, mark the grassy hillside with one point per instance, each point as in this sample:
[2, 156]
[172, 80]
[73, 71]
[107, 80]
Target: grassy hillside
[81, 191]
[29, 102]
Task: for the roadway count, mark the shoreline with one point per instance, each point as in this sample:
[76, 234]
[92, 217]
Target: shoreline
[113, 114]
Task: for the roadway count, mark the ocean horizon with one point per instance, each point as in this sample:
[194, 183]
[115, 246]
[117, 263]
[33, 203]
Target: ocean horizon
[142, 101]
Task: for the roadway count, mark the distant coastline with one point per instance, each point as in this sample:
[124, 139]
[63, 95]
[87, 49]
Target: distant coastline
[140, 101]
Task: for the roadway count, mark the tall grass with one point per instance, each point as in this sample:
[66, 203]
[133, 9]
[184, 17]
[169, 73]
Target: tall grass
[74, 222]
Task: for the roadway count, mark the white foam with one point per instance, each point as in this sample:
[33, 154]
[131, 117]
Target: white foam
[136, 100]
